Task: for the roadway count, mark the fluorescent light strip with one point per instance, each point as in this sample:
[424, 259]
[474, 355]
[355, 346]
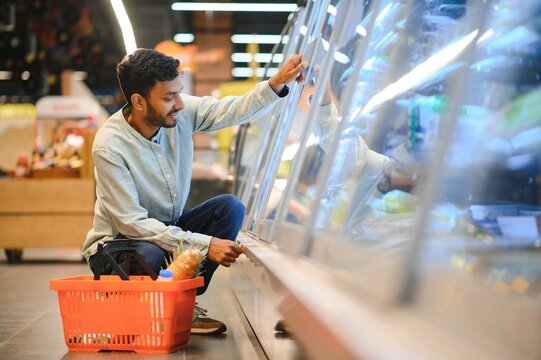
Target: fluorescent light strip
[245, 7]
[248, 72]
[184, 38]
[259, 57]
[125, 25]
[257, 39]
[420, 73]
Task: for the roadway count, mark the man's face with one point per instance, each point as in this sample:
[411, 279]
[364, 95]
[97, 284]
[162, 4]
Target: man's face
[164, 103]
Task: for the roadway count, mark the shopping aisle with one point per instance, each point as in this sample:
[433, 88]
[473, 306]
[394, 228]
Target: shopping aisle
[31, 327]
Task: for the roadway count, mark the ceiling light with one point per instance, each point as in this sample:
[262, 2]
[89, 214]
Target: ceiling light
[248, 72]
[259, 57]
[246, 7]
[125, 25]
[184, 38]
[258, 39]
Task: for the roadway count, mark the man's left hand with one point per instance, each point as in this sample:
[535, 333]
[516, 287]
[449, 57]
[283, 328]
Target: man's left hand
[287, 73]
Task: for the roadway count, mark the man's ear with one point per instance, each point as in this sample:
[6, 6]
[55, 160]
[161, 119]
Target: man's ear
[138, 102]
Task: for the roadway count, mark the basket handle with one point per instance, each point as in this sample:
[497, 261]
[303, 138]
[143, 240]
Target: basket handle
[104, 255]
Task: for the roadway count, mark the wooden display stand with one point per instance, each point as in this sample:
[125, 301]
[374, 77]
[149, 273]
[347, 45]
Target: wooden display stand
[53, 209]
[45, 212]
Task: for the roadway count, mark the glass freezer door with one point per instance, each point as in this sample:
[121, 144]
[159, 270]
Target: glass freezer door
[280, 122]
[316, 53]
[480, 262]
[332, 105]
[285, 124]
[258, 132]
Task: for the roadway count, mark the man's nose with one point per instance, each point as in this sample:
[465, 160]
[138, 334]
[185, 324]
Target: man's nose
[179, 104]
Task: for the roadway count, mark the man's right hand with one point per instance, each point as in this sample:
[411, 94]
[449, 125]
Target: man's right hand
[290, 71]
[224, 252]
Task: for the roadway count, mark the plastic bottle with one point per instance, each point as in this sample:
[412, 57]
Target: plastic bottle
[165, 275]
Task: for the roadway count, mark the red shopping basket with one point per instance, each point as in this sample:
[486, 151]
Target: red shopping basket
[139, 315]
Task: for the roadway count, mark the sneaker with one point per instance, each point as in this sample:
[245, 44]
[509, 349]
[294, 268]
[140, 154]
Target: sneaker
[203, 325]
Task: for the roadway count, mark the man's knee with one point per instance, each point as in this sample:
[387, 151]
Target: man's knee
[232, 203]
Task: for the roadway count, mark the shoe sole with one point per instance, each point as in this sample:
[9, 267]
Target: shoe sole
[198, 331]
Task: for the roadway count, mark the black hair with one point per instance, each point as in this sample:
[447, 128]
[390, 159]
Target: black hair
[139, 71]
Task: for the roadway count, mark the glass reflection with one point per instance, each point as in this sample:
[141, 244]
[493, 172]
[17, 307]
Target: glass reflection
[385, 131]
[487, 210]
[482, 232]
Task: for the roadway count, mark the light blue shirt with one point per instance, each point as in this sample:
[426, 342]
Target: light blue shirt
[142, 185]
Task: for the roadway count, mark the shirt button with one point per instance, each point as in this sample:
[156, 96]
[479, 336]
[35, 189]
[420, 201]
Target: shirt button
[159, 155]
[168, 176]
[174, 195]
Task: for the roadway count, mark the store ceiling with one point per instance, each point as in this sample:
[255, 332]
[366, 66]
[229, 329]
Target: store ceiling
[85, 35]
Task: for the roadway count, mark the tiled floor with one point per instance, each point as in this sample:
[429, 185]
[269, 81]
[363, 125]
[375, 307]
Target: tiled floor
[31, 327]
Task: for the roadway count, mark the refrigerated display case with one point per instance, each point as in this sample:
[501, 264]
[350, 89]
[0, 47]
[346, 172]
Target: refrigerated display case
[479, 266]
[407, 205]
[370, 197]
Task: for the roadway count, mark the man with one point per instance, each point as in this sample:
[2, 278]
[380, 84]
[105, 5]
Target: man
[143, 159]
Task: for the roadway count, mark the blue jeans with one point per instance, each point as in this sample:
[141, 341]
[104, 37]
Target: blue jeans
[220, 216]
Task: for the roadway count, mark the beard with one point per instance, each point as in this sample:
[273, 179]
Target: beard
[156, 119]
